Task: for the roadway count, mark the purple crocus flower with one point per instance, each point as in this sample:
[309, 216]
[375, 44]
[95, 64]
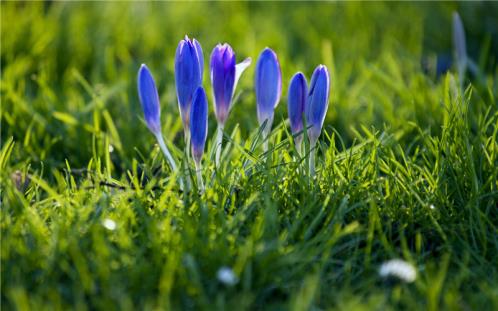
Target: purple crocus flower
[317, 101]
[198, 125]
[224, 77]
[149, 98]
[316, 108]
[189, 66]
[198, 130]
[296, 101]
[268, 85]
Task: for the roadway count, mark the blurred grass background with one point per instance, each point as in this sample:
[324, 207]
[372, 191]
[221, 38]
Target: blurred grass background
[402, 143]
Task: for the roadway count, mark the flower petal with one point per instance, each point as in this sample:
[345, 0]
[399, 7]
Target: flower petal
[149, 99]
[239, 69]
[296, 101]
[318, 100]
[198, 124]
[222, 79]
[268, 84]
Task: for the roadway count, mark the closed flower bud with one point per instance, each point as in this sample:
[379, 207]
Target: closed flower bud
[317, 102]
[189, 65]
[198, 123]
[149, 99]
[268, 85]
[296, 101]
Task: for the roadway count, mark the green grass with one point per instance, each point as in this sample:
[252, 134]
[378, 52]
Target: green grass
[406, 166]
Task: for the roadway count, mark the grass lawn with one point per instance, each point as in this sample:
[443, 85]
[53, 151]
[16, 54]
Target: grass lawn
[92, 217]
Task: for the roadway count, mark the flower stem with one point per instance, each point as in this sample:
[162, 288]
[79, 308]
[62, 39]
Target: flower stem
[200, 182]
[166, 152]
[265, 146]
[187, 154]
[187, 144]
[312, 156]
[266, 134]
[219, 141]
[298, 141]
[168, 156]
[312, 163]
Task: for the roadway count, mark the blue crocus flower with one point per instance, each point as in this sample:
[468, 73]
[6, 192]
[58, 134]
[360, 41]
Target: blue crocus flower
[198, 125]
[189, 66]
[224, 77]
[149, 98]
[198, 129]
[317, 102]
[296, 101]
[268, 84]
[316, 108]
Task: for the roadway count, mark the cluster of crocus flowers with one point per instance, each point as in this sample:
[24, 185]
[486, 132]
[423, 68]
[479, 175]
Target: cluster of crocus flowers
[312, 104]
[305, 104]
[189, 68]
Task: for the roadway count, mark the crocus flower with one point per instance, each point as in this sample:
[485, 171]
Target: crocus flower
[296, 101]
[198, 129]
[268, 84]
[189, 65]
[316, 107]
[224, 77]
[317, 102]
[149, 99]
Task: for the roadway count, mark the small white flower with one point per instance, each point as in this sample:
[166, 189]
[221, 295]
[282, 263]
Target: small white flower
[111, 148]
[226, 276]
[398, 268]
[432, 206]
[109, 224]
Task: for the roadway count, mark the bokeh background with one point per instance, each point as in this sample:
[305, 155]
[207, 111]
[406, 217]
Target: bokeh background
[412, 173]
[69, 68]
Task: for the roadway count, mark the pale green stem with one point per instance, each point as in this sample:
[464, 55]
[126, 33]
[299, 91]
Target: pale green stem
[219, 141]
[200, 182]
[166, 152]
[265, 146]
[266, 133]
[312, 156]
[168, 156]
[312, 163]
[187, 143]
[298, 141]
[187, 152]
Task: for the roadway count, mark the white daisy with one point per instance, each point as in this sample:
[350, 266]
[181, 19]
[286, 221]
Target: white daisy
[398, 268]
[109, 224]
[226, 276]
